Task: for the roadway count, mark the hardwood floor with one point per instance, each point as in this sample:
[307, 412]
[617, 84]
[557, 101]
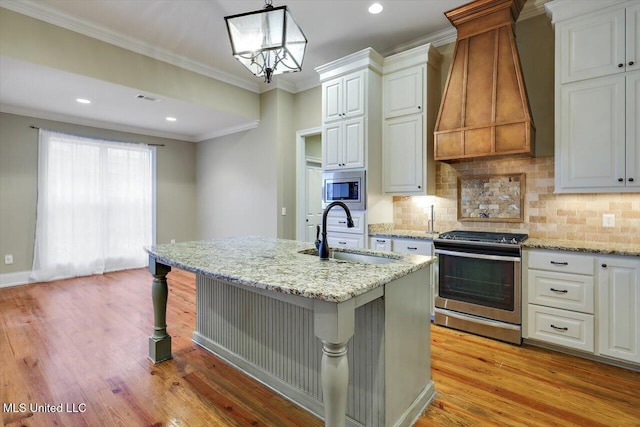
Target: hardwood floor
[83, 343]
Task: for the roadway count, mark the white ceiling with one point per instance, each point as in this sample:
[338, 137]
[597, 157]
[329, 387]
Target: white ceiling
[192, 34]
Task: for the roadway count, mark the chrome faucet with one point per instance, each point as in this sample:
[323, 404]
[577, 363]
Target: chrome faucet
[321, 245]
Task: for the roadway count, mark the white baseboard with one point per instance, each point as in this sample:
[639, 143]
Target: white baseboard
[14, 279]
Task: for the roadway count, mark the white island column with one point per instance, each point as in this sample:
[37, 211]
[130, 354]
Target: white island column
[334, 325]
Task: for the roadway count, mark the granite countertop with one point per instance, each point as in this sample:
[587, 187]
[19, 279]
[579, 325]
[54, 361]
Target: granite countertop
[389, 230]
[405, 234]
[277, 265]
[628, 249]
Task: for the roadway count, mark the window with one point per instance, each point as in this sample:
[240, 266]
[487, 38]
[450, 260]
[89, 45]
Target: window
[94, 211]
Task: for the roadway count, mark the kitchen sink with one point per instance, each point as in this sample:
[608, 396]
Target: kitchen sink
[355, 257]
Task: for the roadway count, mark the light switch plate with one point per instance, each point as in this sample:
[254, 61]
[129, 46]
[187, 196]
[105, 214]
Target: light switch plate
[608, 220]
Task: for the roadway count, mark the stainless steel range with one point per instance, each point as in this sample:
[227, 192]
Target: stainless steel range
[479, 283]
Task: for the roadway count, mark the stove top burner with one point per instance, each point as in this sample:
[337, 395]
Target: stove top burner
[484, 237]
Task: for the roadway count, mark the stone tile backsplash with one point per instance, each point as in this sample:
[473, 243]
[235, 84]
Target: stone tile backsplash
[546, 215]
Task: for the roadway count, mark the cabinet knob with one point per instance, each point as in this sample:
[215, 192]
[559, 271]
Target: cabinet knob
[419, 107]
[630, 179]
[620, 179]
[604, 265]
[620, 65]
[631, 62]
[420, 186]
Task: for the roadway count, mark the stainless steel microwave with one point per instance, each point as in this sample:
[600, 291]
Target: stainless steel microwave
[348, 187]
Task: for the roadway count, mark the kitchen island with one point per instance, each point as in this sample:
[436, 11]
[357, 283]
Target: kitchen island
[347, 340]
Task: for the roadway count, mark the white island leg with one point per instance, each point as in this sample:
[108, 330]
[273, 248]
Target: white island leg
[334, 325]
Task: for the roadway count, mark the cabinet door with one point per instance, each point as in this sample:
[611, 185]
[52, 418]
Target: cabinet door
[380, 244]
[332, 146]
[402, 156]
[353, 143]
[413, 246]
[332, 100]
[633, 129]
[403, 92]
[633, 38]
[343, 240]
[592, 135]
[354, 94]
[619, 308]
[592, 46]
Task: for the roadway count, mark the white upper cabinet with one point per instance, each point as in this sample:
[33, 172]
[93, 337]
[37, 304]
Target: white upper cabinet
[633, 37]
[593, 134]
[402, 154]
[633, 130]
[410, 106]
[343, 97]
[597, 92]
[403, 92]
[600, 43]
[592, 46]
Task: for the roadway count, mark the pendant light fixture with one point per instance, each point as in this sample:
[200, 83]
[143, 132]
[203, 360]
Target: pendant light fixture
[267, 41]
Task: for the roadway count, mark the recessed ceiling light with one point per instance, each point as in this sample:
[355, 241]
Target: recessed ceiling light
[375, 8]
[170, 119]
[83, 101]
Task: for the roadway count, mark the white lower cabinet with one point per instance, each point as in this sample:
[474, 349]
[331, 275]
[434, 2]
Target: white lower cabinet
[409, 246]
[380, 244]
[561, 327]
[619, 308]
[583, 301]
[345, 240]
[341, 236]
[560, 298]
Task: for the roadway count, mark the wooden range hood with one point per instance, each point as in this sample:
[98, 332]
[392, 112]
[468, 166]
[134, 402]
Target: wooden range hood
[484, 109]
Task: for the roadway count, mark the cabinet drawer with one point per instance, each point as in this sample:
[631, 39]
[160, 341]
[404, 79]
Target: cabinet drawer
[345, 240]
[561, 327]
[413, 246]
[380, 244]
[337, 221]
[562, 261]
[561, 290]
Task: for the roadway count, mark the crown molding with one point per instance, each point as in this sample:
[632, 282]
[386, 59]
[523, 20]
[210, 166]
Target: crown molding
[227, 131]
[44, 13]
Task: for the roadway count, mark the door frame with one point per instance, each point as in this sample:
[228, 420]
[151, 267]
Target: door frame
[301, 165]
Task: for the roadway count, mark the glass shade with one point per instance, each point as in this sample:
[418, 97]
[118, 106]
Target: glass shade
[267, 42]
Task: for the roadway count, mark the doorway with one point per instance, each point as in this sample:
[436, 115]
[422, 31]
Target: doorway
[308, 183]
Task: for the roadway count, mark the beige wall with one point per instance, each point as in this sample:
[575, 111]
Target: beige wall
[237, 180]
[308, 109]
[35, 41]
[313, 146]
[175, 193]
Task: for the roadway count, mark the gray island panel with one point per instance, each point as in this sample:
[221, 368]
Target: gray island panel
[348, 341]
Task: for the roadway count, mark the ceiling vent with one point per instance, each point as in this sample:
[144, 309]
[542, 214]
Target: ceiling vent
[148, 98]
[484, 110]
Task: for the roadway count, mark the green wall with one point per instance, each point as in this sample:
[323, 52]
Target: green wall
[175, 184]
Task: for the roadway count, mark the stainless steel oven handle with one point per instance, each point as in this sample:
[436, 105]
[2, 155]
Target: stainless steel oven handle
[480, 256]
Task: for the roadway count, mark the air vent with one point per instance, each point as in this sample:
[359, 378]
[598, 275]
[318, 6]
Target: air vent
[148, 98]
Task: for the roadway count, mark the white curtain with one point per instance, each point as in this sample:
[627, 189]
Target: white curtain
[94, 211]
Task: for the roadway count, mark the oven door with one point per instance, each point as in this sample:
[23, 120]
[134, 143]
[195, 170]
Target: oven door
[479, 284]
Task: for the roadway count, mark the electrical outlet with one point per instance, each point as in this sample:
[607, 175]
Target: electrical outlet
[173, 240]
[284, 211]
[608, 220]
[8, 259]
